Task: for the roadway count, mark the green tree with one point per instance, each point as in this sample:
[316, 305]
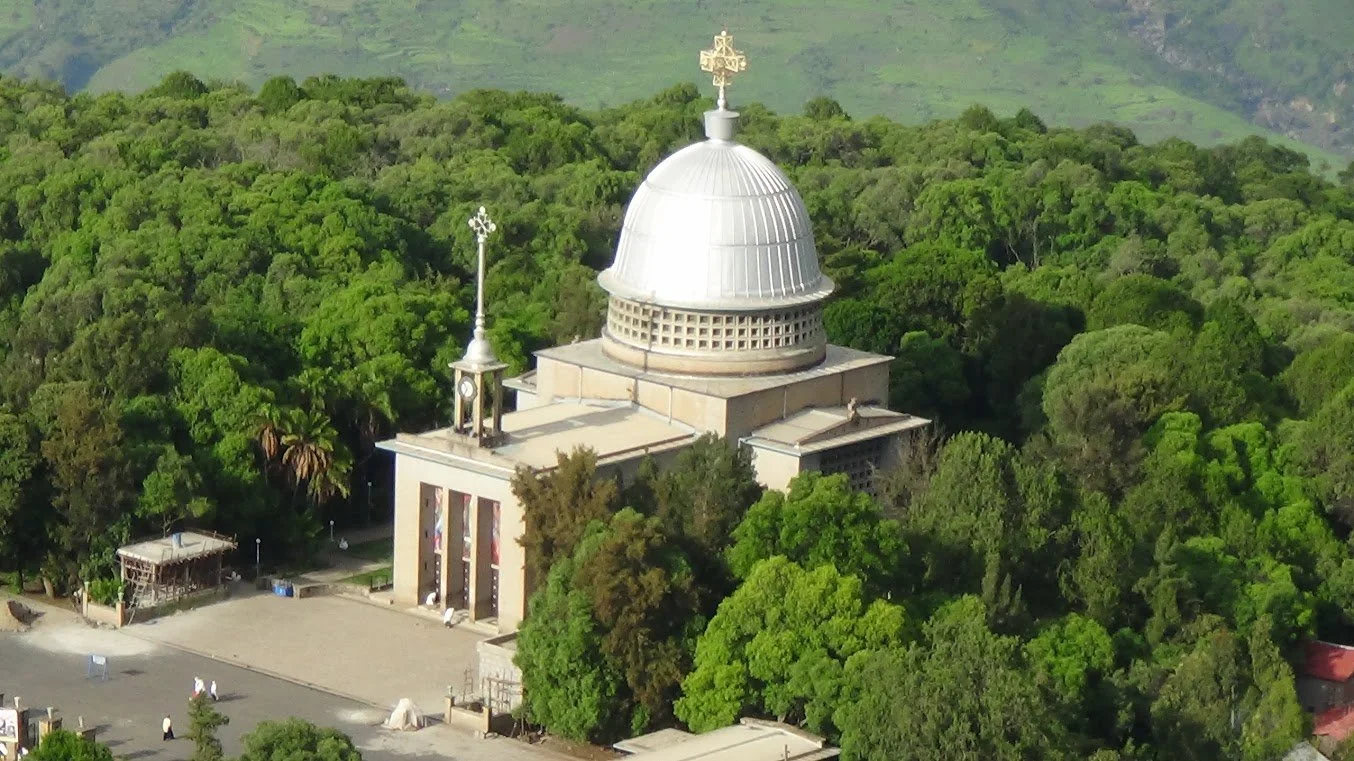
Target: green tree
[820, 521]
[1318, 374]
[203, 722]
[558, 506]
[1147, 301]
[962, 692]
[1068, 657]
[81, 447]
[927, 378]
[1325, 449]
[568, 684]
[1193, 715]
[65, 745]
[706, 492]
[991, 517]
[173, 492]
[780, 646]
[1101, 395]
[610, 635]
[20, 520]
[1102, 572]
[1276, 722]
[644, 594]
[297, 739]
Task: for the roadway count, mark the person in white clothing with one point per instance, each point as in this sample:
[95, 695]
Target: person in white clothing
[447, 616]
[168, 727]
[212, 691]
[431, 600]
[199, 686]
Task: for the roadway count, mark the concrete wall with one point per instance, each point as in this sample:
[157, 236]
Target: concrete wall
[113, 616]
[749, 412]
[494, 659]
[1318, 695]
[775, 469]
[733, 418]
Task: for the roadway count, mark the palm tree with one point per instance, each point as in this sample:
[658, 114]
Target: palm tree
[313, 454]
[308, 444]
[333, 480]
[267, 429]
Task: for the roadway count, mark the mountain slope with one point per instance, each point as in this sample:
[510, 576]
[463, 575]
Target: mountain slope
[1205, 70]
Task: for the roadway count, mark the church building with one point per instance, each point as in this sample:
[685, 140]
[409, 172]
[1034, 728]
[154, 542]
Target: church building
[714, 324]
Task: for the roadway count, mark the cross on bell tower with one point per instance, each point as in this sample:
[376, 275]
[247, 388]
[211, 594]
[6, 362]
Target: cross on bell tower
[478, 409]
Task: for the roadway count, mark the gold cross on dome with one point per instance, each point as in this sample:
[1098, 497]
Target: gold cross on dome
[723, 62]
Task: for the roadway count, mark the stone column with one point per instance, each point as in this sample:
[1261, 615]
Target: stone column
[448, 555]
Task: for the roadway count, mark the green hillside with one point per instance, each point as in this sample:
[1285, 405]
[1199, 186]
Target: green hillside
[1205, 70]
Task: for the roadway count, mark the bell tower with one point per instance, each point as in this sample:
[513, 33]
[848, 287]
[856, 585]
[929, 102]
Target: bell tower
[478, 409]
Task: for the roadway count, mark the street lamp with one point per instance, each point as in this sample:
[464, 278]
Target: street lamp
[331, 531]
[258, 543]
[369, 501]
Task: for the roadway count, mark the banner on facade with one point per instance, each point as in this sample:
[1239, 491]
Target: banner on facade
[466, 540]
[441, 520]
[493, 537]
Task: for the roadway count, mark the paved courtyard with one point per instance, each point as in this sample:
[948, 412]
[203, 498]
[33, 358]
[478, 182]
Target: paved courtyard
[342, 646]
[374, 654]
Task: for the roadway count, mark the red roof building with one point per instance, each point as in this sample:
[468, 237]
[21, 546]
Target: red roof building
[1328, 661]
[1336, 724]
[1324, 681]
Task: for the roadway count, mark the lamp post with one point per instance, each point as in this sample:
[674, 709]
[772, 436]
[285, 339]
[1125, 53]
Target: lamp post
[331, 531]
[368, 500]
[258, 567]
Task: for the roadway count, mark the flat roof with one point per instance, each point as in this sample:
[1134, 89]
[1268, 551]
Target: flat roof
[614, 431]
[653, 741]
[589, 354]
[163, 550]
[750, 740]
[814, 429]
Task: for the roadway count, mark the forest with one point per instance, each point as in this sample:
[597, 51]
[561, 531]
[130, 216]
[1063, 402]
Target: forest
[1135, 501]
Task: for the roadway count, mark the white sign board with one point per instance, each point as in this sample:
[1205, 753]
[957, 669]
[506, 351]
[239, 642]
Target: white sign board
[9, 725]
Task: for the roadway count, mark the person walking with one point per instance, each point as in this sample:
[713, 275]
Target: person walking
[168, 727]
[199, 686]
[212, 691]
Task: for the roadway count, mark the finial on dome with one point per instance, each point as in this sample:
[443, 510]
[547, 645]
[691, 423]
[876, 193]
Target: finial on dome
[723, 62]
[480, 351]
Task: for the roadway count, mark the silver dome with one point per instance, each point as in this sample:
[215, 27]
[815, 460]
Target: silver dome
[718, 226]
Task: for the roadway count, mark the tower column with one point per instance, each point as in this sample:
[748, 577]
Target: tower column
[479, 374]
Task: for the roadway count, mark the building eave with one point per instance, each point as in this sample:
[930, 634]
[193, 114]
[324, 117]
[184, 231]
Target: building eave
[905, 424]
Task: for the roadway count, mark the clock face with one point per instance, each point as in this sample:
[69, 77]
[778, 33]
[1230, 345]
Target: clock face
[467, 388]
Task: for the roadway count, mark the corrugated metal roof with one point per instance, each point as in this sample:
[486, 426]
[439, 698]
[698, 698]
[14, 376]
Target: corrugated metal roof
[1328, 661]
[1337, 723]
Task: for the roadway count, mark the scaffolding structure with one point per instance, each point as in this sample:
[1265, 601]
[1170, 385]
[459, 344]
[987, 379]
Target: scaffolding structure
[158, 571]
